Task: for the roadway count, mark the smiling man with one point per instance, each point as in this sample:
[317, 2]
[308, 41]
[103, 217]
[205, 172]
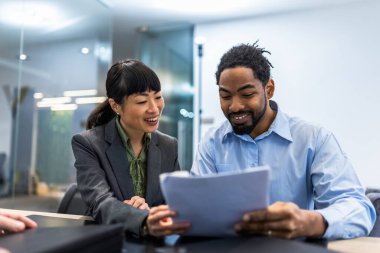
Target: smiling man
[314, 190]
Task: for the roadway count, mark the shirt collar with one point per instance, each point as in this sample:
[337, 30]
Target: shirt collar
[280, 126]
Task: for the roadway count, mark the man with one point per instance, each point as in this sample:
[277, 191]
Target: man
[314, 190]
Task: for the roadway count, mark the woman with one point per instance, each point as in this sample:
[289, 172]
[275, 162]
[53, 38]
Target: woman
[120, 157]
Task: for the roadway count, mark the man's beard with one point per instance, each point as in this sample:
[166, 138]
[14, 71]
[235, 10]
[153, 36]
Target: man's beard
[247, 129]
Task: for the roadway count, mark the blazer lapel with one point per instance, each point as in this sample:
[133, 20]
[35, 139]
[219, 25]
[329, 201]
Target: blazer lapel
[153, 170]
[119, 161]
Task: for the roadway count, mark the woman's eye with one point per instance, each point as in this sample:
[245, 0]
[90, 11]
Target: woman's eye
[159, 97]
[141, 102]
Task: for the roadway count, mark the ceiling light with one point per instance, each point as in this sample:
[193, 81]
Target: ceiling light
[23, 57]
[199, 40]
[85, 50]
[47, 102]
[64, 107]
[90, 100]
[30, 14]
[78, 93]
[57, 100]
[38, 95]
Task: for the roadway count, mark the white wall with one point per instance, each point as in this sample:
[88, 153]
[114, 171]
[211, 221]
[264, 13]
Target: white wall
[326, 68]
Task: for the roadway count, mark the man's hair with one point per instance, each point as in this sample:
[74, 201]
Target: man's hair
[249, 56]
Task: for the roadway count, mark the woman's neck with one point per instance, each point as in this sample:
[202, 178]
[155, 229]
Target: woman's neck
[135, 137]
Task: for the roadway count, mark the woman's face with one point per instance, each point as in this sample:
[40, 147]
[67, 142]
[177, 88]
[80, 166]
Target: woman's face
[140, 112]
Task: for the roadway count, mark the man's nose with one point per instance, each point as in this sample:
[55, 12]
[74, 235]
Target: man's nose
[235, 105]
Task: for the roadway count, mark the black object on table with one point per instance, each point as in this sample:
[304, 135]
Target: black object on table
[59, 235]
[240, 244]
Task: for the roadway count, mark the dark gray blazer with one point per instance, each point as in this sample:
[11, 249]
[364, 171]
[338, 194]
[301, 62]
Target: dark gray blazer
[103, 174]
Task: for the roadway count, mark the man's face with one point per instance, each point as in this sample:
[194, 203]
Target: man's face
[242, 99]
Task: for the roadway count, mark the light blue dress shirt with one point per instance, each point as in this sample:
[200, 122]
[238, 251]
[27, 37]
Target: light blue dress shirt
[308, 168]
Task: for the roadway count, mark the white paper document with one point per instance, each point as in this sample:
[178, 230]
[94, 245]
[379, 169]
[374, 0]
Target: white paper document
[215, 203]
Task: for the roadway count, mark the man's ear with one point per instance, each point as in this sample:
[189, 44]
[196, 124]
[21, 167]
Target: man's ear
[269, 88]
[115, 106]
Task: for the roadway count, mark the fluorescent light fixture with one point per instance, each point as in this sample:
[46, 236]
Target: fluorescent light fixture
[85, 50]
[30, 14]
[43, 104]
[57, 100]
[90, 100]
[38, 95]
[64, 107]
[48, 102]
[79, 93]
[201, 7]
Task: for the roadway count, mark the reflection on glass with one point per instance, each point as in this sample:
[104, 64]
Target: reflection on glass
[46, 49]
[170, 54]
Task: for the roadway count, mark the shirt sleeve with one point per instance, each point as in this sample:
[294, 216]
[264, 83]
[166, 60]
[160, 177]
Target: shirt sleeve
[338, 195]
[204, 162]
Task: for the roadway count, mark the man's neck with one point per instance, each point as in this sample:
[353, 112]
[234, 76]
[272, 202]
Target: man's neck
[265, 122]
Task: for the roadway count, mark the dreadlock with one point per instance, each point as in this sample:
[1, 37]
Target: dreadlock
[246, 55]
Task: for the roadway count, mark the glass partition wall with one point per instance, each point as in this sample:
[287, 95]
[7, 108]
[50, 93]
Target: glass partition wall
[169, 51]
[54, 56]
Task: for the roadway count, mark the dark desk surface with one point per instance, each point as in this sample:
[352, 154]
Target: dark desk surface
[73, 239]
[222, 245]
[56, 231]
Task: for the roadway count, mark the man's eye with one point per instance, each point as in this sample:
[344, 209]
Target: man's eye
[159, 97]
[225, 97]
[248, 95]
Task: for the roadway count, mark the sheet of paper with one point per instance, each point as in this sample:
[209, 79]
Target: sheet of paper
[214, 203]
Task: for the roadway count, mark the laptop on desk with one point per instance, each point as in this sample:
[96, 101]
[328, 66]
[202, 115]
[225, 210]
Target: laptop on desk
[46, 221]
[73, 239]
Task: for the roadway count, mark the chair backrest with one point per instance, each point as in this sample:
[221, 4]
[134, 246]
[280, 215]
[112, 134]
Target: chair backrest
[2, 162]
[374, 196]
[72, 202]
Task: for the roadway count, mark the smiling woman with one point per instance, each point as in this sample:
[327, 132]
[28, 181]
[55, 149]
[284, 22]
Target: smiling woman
[120, 156]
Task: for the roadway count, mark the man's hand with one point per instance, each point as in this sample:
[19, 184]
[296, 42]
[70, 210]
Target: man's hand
[282, 219]
[11, 221]
[137, 202]
[160, 222]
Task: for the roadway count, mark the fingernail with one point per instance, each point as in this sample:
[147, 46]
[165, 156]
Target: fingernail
[20, 226]
[246, 217]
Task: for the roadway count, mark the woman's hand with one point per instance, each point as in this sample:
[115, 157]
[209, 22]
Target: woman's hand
[137, 202]
[11, 221]
[160, 222]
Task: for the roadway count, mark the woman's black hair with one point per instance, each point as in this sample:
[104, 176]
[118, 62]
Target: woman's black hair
[124, 78]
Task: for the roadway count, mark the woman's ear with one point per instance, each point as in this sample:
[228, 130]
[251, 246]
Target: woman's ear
[269, 88]
[115, 106]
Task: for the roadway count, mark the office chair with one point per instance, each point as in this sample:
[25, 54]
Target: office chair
[374, 196]
[2, 172]
[72, 202]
